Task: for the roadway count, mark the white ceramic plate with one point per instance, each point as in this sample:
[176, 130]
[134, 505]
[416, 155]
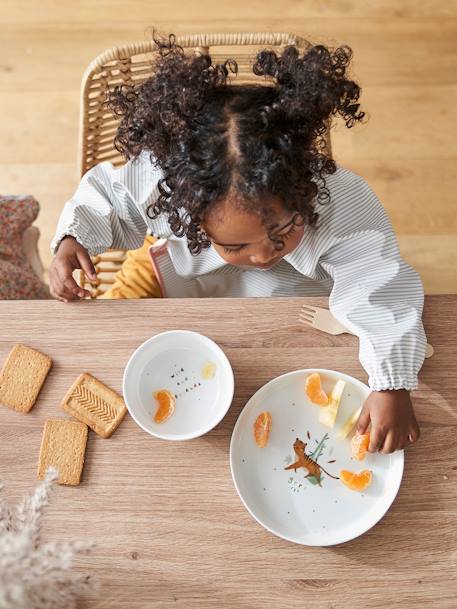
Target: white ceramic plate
[283, 501]
[175, 361]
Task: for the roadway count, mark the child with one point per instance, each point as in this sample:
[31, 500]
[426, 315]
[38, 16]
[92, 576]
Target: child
[239, 182]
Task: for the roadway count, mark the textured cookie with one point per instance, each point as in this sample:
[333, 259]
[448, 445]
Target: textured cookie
[22, 377]
[63, 446]
[95, 404]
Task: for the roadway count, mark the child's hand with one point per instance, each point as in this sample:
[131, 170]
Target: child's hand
[393, 422]
[70, 256]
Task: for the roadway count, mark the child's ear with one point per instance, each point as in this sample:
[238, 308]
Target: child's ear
[16, 214]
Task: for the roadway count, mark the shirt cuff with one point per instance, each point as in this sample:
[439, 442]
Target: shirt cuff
[382, 382]
[76, 231]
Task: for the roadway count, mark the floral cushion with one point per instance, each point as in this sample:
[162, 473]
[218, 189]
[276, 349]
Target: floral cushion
[17, 278]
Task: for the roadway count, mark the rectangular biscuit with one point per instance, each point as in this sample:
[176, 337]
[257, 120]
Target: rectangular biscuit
[63, 446]
[95, 404]
[22, 377]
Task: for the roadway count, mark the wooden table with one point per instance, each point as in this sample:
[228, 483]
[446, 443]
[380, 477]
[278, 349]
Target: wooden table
[170, 528]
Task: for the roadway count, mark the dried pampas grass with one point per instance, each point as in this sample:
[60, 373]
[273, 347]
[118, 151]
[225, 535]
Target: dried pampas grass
[35, 575]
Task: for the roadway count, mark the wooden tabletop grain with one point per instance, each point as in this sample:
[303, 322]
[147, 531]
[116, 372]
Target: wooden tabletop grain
[169, 526]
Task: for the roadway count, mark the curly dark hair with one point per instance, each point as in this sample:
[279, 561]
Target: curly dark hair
[212, 139]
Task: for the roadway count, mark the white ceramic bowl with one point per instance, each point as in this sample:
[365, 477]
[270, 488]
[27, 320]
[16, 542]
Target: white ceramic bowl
[175, 361]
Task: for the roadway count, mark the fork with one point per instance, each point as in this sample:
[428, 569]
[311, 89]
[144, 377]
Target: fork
[322, 319]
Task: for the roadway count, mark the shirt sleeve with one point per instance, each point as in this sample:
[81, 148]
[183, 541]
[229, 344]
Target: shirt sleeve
[108, 209]
[376, 294]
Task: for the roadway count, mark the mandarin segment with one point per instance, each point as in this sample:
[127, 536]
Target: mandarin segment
[165, 405]
[262, 428]
[356, 482]
[314, 391]
[359, 445]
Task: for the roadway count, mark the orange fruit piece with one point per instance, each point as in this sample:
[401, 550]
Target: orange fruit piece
[262, 428]
[166, 405]
[359, 445]
[356, 482]
[314, 391]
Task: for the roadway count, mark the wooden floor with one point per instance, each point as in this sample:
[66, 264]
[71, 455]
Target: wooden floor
[404, 58]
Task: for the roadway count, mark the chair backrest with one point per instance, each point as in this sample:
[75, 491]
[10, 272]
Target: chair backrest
[131, 64]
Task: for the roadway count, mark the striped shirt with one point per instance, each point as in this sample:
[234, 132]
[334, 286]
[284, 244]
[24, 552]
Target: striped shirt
[352, 256]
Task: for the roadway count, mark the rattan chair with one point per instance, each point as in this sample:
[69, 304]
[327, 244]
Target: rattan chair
[131, 64]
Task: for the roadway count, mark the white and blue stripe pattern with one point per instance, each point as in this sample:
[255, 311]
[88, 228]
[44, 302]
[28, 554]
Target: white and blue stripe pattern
[352, 256]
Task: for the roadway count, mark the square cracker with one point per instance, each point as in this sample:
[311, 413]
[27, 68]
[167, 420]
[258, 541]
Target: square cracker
[95, 404]
[63, 446]
[22, 377]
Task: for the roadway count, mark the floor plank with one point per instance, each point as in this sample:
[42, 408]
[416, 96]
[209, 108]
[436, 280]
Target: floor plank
[405, 59]
[69, 47]
[118, 11]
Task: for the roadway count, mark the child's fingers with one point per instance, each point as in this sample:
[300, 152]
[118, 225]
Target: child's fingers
[67, 281]
[65, 288]
[414, 434]
[71, 286]
[390, 443]
[86, 264]
[363, 421]
[376, 440]
[403, 442]
[61, 292]
[58, 291]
